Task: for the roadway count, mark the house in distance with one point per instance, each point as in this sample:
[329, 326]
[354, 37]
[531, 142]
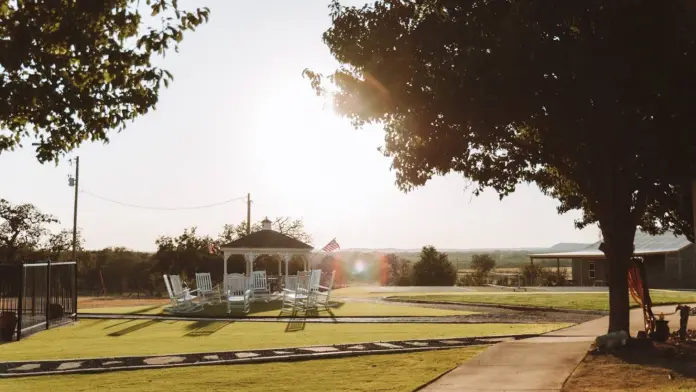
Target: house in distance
[669, 260]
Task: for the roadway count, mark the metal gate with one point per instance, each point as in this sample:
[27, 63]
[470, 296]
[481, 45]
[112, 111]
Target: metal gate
[37, 295]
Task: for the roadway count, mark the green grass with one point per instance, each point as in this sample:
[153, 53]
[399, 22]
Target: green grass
[272, 309]
[584, 301]
[107, 338]
[398, 372]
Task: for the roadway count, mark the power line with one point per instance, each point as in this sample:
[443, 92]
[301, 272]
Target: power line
[163, 208]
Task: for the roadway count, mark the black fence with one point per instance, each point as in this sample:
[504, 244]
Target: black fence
[35, 296]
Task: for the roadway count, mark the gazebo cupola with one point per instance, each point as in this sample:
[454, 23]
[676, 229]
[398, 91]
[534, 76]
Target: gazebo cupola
[266, 242]
[266, 224]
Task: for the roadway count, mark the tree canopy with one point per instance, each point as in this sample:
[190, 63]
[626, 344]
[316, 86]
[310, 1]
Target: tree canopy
[433, 269]
[590, 100]
[22, 226]
[73, 70]
[285, 225]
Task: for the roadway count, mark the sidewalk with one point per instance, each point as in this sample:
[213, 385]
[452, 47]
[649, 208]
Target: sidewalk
[536, 364]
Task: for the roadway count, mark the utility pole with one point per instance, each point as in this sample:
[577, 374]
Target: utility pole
[248, 213]
[75, 182]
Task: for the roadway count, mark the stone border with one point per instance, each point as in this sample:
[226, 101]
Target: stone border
[107, 364]
[500, 306]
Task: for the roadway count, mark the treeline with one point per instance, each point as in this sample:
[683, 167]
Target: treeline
[25, 236]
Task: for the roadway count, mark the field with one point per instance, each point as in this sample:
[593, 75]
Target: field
[559, 300]
[514, 270]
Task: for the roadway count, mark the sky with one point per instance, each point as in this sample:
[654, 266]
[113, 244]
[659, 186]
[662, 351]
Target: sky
[239, 118]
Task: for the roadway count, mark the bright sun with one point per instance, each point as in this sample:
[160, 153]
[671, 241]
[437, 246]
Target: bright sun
[359, 266]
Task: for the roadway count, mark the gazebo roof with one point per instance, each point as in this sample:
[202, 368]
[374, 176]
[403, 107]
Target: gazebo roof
[267, 239]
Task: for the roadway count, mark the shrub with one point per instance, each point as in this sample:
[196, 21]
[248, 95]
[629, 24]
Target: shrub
[433, 269]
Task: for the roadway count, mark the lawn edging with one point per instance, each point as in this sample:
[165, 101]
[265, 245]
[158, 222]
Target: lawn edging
[501, 306]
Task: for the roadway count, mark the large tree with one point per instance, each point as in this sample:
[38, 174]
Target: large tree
[591, 100]
[21, 228]
[73, 70]
[285, 225]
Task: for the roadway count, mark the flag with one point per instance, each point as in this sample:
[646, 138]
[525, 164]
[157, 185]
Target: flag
[331, 246]
[211, 248]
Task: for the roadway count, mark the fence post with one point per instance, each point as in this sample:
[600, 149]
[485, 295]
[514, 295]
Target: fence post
[75, 290]
[48, 289]
[20, 305]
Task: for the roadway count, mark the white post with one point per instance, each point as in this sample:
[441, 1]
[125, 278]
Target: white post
[225, 256]
[249, 258]
[280, 266]
[287, 258]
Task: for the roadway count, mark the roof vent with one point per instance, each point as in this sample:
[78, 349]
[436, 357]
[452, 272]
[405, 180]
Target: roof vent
[266, 224]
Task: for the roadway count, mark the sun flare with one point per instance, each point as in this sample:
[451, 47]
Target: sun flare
[359, 266]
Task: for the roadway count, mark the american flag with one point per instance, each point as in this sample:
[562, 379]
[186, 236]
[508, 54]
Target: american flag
[331, 246]
[211, 248]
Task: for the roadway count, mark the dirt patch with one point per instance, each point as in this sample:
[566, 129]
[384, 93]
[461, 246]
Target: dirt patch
[108, 302]
[645, 366]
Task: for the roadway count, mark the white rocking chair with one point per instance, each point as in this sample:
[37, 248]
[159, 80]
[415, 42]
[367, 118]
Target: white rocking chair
[259, 285]
[238, 293]
[181, 303]
[324, 292]
[208, 293]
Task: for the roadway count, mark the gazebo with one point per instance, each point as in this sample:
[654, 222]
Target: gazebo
[266, 242]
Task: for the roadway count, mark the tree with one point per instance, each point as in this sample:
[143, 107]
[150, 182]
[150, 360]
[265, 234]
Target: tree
[186, 254]
[332, 263]
[74, 70]
[433, 269]
[21, 227]
[482, 265]
[62, 241]
[399, 270]
[285, 225]
[575, 97]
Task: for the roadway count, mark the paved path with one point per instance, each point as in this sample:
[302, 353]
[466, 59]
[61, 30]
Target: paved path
[537, 364]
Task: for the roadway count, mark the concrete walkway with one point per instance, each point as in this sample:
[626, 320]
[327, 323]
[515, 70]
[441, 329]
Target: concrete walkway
[537, 364]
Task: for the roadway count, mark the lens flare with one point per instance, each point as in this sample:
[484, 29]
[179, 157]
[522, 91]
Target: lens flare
[359, 266]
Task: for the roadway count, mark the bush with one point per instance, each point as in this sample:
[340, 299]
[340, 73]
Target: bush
[433, 269]
[536, 275]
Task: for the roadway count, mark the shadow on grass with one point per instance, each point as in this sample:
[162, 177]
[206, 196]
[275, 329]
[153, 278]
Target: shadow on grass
[675, 358]
[260, 307]
[298, 318]
[205, 328]
[134, 328]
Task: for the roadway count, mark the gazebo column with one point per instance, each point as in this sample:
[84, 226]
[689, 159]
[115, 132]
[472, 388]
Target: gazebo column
[280, 265]
[225, 255]
[249, 257]
[286, 258]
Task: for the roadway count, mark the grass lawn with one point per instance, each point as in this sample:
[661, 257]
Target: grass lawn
[376, 291]
[398, 372]
[585, 301]
[272, 309]
[107, 338]
[638, 369]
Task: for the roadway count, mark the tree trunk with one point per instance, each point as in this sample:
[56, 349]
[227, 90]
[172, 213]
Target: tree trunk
[618, 248]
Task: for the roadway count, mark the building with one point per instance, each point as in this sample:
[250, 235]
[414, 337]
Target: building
[670, 261]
